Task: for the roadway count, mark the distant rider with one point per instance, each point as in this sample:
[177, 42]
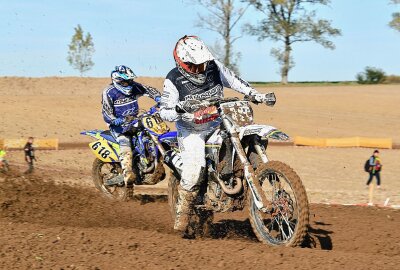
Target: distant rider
[118, 102]
[197, 76]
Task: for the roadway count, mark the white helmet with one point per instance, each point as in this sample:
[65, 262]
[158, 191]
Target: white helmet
[191, 57]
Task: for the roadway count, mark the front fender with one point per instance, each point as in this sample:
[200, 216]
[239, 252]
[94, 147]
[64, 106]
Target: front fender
[264, 131]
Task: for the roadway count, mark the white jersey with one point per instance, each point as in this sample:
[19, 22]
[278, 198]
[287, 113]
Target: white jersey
[178, 88]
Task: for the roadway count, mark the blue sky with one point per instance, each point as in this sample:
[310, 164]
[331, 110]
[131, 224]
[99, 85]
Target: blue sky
[35, 35]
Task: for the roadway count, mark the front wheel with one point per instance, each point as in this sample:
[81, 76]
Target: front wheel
[287, 223]
[101, 172]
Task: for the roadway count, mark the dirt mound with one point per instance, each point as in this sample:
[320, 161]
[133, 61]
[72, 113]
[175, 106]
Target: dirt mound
[30, 199]
[57, 226]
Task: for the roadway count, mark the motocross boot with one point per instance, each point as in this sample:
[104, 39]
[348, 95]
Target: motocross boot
[184, 208]
[127, 172]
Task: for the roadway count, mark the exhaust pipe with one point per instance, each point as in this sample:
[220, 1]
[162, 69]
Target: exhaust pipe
[231, 191]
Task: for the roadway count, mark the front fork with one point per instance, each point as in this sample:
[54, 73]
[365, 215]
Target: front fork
[262, 203]
[260, 151]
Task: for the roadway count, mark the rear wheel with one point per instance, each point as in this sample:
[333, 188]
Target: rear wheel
[101, 172]
[287, 224]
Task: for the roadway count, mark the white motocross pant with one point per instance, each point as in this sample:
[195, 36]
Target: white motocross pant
[125, 156]
[192, 147]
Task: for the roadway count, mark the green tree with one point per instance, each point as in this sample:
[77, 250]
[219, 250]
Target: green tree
[371, 75]
[289, 22]
[395, 22]
[223, 18]
[80, 51]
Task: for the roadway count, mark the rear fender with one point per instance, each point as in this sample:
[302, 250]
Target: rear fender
[264, 131]
[92, 133]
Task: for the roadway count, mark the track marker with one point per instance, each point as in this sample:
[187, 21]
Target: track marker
[386, 202]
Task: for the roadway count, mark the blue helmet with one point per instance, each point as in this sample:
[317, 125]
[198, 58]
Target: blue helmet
[122, 77]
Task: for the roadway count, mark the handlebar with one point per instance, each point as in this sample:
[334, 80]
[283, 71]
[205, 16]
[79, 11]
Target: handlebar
[191, 106]
[134, 122]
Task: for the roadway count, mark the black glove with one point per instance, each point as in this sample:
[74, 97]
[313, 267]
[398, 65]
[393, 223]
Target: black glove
[179, 108]
[256, 98]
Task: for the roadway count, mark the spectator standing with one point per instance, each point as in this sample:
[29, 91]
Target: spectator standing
[375, 167]
[29, 154]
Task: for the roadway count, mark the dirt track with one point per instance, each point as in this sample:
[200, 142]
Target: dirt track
[56, 219]
[58, 226]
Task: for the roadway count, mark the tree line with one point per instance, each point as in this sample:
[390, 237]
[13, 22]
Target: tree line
[285, 22]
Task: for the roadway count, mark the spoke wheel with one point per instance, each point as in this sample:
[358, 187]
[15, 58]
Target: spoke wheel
[101, 172]
[287, 223]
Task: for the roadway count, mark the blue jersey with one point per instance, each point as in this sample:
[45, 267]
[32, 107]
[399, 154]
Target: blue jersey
[116, 104]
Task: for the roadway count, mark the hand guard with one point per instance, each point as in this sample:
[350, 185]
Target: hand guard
[270, 99]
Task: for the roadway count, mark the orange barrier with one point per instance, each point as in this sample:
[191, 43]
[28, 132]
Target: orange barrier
[345, 142]
[376, 142]
[309, 141]
[50, 144]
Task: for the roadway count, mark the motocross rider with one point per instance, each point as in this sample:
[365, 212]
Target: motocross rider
[197, 76]
[119, 101]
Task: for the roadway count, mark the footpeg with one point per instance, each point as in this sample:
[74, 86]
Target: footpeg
[117, 180]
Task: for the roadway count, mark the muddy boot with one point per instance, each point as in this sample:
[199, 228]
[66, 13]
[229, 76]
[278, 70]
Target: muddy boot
[183, 209]
[127, 172]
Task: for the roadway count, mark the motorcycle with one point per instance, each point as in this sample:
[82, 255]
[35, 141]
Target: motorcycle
[152, 142]
[239, 173]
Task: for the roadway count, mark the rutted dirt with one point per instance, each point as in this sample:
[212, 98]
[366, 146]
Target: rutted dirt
[58, 226]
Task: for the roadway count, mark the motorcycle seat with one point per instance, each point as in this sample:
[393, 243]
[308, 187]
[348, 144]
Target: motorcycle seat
[106, 134]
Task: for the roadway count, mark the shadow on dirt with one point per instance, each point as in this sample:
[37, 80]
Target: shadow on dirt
[318, 237]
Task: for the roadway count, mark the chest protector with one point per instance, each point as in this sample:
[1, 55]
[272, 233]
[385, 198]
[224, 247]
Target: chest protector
[212, 87]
